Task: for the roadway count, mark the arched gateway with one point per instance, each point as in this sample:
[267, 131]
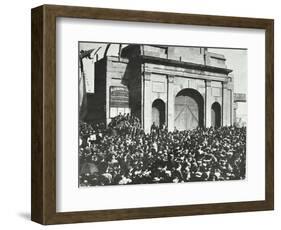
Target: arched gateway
[158, 112]
[216, 115]
[189, 109]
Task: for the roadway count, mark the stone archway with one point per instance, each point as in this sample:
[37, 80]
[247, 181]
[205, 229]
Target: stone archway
[158, 112]
[216, 115]
[189, 109]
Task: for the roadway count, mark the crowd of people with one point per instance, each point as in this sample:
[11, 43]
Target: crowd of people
[123, 153]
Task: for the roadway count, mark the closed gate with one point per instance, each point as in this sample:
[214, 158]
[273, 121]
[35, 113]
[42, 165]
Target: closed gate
[188, 110]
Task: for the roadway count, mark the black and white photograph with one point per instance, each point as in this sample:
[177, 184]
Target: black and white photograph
[151, 114]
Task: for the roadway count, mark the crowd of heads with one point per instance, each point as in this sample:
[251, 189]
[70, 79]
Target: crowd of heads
[123, 153]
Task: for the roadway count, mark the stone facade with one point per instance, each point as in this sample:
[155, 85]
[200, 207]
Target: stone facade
[182, 87]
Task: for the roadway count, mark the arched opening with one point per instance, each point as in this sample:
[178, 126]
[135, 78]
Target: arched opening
[158, 112]
[216, 115]
[189, 109]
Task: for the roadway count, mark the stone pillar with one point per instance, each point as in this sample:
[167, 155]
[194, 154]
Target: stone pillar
[170, 103]
[208, 103]
[147, 104]
[107, 97]
[235, 107]
[226, 105]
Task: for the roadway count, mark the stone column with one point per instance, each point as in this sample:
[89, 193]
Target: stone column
[235, 107]
[208, 105]
[226, 101]
[170, 103]
[107, 93]
[147, 104]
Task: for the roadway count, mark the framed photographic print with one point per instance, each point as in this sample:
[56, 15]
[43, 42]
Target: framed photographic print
[141, 114]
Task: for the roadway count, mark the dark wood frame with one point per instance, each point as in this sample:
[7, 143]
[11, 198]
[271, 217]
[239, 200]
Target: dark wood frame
[43, 188]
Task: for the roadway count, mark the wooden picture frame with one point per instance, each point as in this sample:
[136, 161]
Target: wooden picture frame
[43, 205]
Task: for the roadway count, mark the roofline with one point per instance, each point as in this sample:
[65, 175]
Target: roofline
[190, 65]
